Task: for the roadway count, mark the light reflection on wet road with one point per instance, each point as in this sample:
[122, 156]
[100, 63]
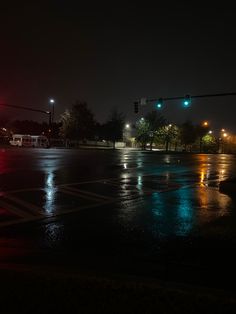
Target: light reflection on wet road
[125, 204]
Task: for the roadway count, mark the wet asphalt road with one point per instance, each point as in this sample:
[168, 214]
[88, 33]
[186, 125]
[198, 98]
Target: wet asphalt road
[119, 212]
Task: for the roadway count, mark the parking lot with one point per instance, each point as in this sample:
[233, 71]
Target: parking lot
[123, 212]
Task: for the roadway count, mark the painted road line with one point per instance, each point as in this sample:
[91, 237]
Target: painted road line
[77, 209]
[19, 191]
[120, 190]
[17, 221]
[86, 182]
[47, 218]
[11, 208]
[4, 193]
[135, 189]
[34, 210]
[90, 195]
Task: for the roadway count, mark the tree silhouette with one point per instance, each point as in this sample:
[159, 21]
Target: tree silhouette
[168, 133]
[78, 123]
[155, 122]
[187, 134]
[113, 128]
[142, 129]
[201, 131]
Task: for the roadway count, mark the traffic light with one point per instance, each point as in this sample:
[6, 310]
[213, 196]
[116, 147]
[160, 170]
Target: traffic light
[136, 106]
[187, 101]
[159, 103]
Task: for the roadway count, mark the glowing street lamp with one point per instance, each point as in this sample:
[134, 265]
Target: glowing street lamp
[205, 123]
[126, 133]
[52, 102]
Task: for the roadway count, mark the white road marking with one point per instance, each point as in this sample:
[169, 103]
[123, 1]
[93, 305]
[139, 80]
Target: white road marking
[35, 210]
[85, 194]
[11, 208]
[35, 213]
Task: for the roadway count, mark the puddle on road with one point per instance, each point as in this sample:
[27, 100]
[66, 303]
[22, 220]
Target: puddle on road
[179, 212]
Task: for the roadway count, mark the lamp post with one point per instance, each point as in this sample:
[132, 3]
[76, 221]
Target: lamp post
[222, 138]
[225, 136]
[125, 132]
[202, 132]
[49, 126]
[52, 102]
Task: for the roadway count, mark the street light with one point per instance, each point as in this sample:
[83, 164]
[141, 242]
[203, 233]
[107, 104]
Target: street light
[126, 133]
[52, 102]
[205, 123]
[225, 137]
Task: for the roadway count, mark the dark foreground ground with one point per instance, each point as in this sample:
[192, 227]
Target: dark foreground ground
[46, 292]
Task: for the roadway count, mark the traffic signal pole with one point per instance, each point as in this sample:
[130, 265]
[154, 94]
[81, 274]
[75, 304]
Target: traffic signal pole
[194, 96]
[29, 109]
[186, 98]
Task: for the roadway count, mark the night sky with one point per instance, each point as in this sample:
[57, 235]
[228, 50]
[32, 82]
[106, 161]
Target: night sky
[111, 54]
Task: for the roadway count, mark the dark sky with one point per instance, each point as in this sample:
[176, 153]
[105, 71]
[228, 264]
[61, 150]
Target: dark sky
[111, 54]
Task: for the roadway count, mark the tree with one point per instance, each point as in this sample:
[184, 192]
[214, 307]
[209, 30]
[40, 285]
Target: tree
[187, 134]
[142, 130]
[78, 123]
[113, 128]
[209, 143]
[67, 125]
[168, 133]
[201, 131]
[155, 122]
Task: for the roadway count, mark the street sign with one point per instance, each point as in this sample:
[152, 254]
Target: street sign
[143, 101]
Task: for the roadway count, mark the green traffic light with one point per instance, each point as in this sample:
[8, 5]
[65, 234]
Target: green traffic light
[159, 103]
[187, 101]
